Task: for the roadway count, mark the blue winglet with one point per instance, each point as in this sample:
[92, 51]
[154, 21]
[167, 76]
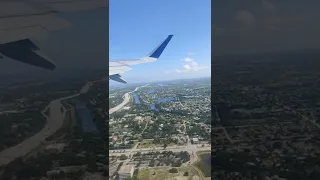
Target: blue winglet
[158, 51]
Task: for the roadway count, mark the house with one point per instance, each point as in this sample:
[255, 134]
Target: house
[195, 140]
[125, 171]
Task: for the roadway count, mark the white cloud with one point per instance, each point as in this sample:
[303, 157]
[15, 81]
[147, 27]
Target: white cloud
[193, 63]
[191, 66]
[187, 59]
[187, 67]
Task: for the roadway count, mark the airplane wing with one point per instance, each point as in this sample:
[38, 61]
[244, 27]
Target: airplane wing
[21, 20]
[118, 67]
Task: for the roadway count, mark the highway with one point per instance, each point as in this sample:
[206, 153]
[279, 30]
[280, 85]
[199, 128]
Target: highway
[125, 101]
[54, 122]
[191, 148]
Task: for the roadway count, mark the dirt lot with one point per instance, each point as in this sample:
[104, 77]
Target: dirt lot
[163, 174]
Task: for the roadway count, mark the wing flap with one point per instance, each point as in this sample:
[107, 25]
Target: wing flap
[39, 7]
[117, 77]
[29, 53]
[17, 28]
[20, 33]
[132, 62]
[73, 5]
[26, 19]
[48, 22]
[118, 70]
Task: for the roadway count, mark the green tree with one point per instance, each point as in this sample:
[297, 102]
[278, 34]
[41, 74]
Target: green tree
[165, 146]
[173, 170]
[152, 163]
[123, 157]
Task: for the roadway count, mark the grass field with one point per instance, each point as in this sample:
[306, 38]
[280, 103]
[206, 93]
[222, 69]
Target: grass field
[146, 144]
[149, 144]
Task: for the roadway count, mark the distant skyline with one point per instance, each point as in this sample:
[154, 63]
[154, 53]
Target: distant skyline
[137, 27]
[121, 85]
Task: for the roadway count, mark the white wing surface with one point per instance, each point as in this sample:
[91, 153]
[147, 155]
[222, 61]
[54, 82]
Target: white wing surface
[118, 67]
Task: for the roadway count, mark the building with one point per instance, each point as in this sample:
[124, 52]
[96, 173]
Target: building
[55, 148]
[125, 171]
[195, 140]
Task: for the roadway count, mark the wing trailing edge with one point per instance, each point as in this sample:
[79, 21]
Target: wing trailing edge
[27, 52]
[117, 77]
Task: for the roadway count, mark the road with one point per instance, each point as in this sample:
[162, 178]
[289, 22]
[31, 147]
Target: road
[227, 135]
[190, 148]
[302, 116]
[145, 127]
[125, 101]
[54, 122]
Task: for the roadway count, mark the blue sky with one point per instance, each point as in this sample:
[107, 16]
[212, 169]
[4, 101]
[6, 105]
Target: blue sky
[137, 27]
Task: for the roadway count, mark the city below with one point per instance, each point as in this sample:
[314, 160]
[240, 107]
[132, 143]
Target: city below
[156, 126]
[63, 133]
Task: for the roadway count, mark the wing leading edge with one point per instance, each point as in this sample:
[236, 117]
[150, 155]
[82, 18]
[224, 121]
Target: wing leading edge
[118, 67]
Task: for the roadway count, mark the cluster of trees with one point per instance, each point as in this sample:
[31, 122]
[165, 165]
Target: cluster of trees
[118, 114]
[27, 123]
[123, 157]
[198, 130]
[114, 101]
[38, 167]
[173, 170]
[165, 158]
[154, 132]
